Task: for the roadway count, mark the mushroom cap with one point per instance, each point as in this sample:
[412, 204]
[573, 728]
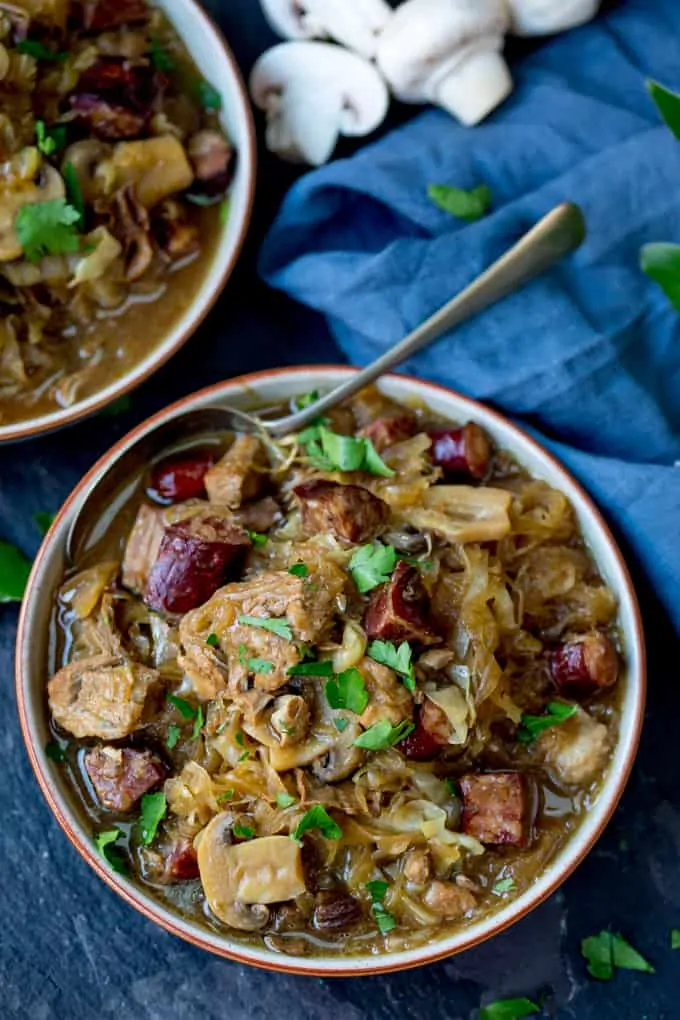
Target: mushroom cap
[543, 17]
[312, 93]
[425, 35]
[354, 23]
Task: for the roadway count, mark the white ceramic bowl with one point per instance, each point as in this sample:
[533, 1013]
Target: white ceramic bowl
[278, 386]
[217, 65]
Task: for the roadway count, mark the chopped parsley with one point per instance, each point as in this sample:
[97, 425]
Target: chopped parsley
[258, 538]
[174, 733]
[464, 205]
[73, 190]
[186, 710]
[243, 831]
[508, 1009]
[377, 890]
[299, 570]
[112, 854]
[225, 797]
[329, 451]
[668, 105]
[385, 921]
[54, 751]
[212, 640]
[47, 228]
[285, 800]
[398, 659]
[341, 724]
[533, 725]
[660, 260]
[607, 951]
[50, 140]
[198, 724]
[243, 757]
[451, 787]
[14, 571]
[317, 818]
[261, 666]
[504, 885]
[160, 58]
[383, 734]
[153, 811]
[240, 739]
[43, 521]
[348, 691]
[324, 668]
[208, 96]
[372, 565]
[281, 628]
[32, 48]
[306, 400]
[675, 938]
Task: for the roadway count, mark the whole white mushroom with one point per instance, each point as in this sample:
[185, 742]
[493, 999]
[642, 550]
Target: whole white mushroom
[448, 52]
[544, 17]
[312, 93]
[353, 23]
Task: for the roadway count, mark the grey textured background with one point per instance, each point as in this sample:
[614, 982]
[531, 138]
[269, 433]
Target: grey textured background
[71, 950]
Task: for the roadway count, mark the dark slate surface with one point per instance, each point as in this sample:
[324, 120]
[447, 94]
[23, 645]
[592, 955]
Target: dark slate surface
[71, 950]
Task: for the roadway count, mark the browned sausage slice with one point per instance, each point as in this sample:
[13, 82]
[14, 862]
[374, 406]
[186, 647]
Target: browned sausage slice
[496, 808]
[398, 609]
[584, 666]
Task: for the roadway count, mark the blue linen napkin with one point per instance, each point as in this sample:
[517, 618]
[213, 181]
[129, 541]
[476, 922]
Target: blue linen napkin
[589, 355]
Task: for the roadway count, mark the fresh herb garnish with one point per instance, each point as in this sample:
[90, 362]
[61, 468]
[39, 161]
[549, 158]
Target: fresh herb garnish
[533, 725]
[306, 400]
[324, 668]
[243, 757]
[208, 96]
[243, 831]
[377, 890]
[348, 691]
[281, 628]
[330, 451]
[113, 855]
[398, 659]
[451, 787]
[50, 140]
[341, 724]
[372, 565]
[240, 739]
[384, 920]
[464, 205]
[607, 951]
[47, 228]
[186, 710]
[261, 666]
[508, 1009]
[14, 571]
[668, 105]
[153, 811]
[223, 798]
[198, 724]
[505, 885]
[213, 641]
[43, 521]
[675, 938]
[299, 570]
[383, 734]
[32, 48]
[160, 58]
[317, 818]
[73, 191]
[285, 800]
[174, 733]
[55, 752]
[257, 538]
[660, 260]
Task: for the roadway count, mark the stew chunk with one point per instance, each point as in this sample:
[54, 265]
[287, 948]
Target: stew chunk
[103, 696]
[398, 609]
[496, 807]
[350, 512]
[584, 666]
[240, 475]
[121, 776]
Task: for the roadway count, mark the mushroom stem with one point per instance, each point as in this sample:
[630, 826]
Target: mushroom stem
[478, 82]
[545, 17]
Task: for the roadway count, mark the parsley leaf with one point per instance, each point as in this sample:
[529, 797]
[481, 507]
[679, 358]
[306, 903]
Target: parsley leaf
[661, 262]
[261, 666]
[240, 739]
[243, 757]
[243, 831]
[306, 400]
[174, 733]
[32, 48]
[213, 641]
[198, 724]
[451, 787]
[341, 724]
[47, 228]
[372, 565]
[50, 140]
[14, 571]
[324, 668]
[533, 725]
[299, 570]
[348, 691]
[465, 205]
[384, 920]
[383, 734]
[73, 190]
[281, 628]
[317, 818]
[225, 797]
[668, 105]
[113, 855]
[186, 710]
[377, 890]
[607, 951]
[285, 800]
[504, 885]
[208, 96]
[675, 938]
[54, 751]
[398, 659]
[329, 451]
[43, 521]
[160, 58]
[257, 538]
[508, 1009]
[153, 811]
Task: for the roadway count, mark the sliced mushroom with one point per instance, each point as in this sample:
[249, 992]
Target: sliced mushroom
[85, 157]
[239, 879]
[156, 167]
[355, 24]
[17, 193]
[543, 17]
[342, 759]
[312, 93]
[290, 719]
[448, 52]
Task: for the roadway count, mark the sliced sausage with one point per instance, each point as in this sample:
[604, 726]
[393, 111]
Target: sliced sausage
[120, 776]
[107, 120]
[193, 562]
[496, 807]
[178, 479]
[350, 512]
[398, 609]
[431, 733]
[462, 451]
[585, 665]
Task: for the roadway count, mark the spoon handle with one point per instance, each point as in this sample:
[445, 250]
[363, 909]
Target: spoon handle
[553, 237]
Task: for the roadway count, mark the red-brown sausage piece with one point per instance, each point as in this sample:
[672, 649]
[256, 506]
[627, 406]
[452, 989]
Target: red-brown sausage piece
[179, 479]
[120, 776]
[101, 15]
[496, 808]
[430, 735]
[350, 512]
[398, 609]
[464, 451]
[384, 432]
[193, 562]
[584, 666]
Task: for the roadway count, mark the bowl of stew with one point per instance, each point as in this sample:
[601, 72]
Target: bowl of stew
[127, 169]
[343, 703]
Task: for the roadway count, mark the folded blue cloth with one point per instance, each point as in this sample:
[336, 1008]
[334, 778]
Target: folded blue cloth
[589, 355]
